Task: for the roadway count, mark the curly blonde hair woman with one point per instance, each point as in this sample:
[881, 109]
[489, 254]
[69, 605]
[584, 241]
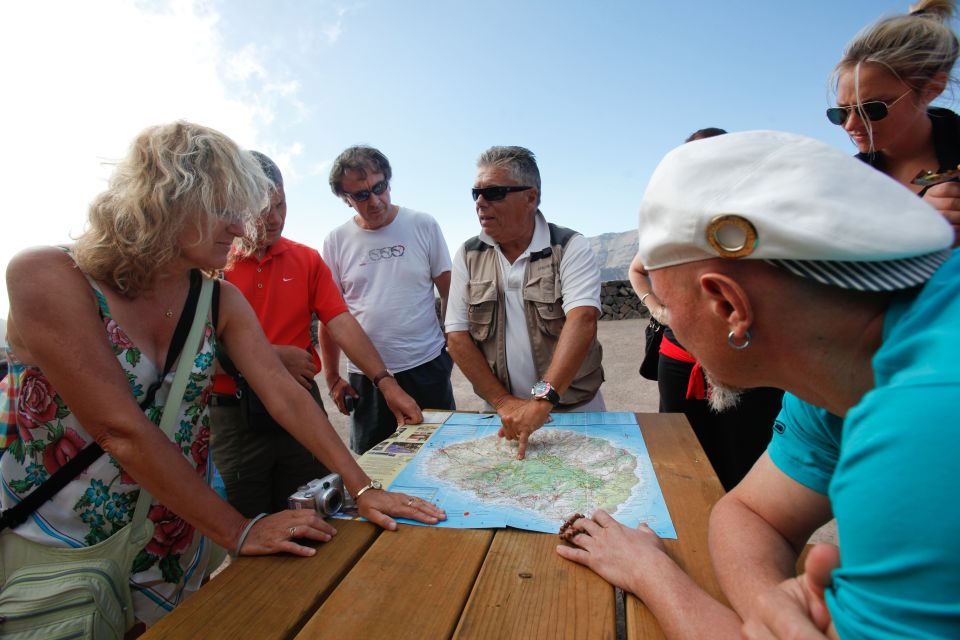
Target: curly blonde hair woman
[86, 331]
[152, 195]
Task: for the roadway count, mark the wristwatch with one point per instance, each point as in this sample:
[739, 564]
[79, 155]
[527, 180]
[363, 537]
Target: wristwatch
[377, 379]
[374, 484]
[543, 390]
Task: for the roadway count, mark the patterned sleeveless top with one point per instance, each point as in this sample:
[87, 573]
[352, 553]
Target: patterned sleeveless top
[101, 500]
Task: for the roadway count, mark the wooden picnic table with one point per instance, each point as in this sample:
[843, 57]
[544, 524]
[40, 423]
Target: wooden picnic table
[426, 582]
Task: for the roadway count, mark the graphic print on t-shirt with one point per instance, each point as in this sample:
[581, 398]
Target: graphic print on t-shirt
[383, 253]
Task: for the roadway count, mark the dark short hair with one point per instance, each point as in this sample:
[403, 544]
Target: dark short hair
[270, 168]
[708, 132]
[359, 159]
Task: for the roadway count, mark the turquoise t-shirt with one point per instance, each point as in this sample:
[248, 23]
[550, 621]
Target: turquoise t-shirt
[892, 472]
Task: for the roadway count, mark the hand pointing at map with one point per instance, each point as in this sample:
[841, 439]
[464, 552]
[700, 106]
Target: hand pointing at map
[520, 418]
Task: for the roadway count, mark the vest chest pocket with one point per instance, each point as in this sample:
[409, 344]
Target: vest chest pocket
[481, 309]
[550, 317]
[543, 293]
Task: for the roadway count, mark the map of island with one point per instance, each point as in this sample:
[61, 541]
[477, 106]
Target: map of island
[576, 464]
[564, 472]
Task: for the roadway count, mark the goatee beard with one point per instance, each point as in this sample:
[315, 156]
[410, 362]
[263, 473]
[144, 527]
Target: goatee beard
[722, 398]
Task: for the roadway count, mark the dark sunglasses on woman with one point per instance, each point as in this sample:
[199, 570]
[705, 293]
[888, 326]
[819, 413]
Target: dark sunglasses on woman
[492, 194]
[873, 110]
[362, 196]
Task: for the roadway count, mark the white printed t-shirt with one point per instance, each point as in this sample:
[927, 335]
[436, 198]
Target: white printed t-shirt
[386, 276]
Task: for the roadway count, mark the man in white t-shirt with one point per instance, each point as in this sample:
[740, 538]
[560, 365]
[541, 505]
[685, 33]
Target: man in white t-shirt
[386, 260]
[524, 303]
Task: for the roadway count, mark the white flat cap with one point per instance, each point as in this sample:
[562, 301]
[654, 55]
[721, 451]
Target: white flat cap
[795, 202]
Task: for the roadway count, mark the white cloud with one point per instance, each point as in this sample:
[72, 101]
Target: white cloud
[245, 64]
[332, 31]
[83, 78]
[321, 168]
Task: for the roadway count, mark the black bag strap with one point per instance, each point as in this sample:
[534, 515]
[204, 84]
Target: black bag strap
[18, 514]
[222, 356]
[179, 336]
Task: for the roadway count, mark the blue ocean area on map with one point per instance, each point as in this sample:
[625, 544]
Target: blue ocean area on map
[576, 463]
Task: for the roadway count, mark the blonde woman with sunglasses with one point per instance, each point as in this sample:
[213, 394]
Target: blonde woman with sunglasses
[889, 75]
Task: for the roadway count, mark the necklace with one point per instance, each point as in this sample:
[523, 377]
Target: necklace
[169, 304]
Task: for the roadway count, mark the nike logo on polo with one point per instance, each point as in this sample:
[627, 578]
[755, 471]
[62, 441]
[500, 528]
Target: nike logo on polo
[287, 279]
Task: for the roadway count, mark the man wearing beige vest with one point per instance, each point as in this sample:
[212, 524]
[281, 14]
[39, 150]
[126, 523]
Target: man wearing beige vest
[524, 301]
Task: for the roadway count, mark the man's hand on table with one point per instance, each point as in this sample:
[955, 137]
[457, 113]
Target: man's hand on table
[636, 561]
[796, 608]
[618, 554]
[378, 505]
[404, 408]
[520, 418]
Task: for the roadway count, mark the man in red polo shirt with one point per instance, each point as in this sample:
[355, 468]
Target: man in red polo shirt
[286, 283]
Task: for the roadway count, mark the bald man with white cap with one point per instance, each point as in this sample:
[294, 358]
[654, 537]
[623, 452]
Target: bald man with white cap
[782, 262]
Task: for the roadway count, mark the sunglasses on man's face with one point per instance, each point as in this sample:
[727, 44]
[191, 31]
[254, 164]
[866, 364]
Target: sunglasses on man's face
[363, 196]
[873, 110]
[493, 194]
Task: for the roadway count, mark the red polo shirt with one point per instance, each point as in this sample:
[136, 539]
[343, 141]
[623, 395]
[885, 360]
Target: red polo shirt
[291, 283]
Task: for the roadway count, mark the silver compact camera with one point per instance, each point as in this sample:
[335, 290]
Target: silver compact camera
[324, 495]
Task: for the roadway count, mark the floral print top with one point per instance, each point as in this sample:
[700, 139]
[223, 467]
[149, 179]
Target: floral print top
[101, 500]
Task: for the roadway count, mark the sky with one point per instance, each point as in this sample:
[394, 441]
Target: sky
[600, 91]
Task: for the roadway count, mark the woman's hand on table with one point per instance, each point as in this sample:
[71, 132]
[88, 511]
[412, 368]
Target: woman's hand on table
[378, 505]
[276, 533]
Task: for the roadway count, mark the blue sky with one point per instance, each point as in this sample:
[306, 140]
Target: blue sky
[599, 91]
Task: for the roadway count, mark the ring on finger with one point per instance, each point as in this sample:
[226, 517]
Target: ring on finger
[410, 502]
[293, 531]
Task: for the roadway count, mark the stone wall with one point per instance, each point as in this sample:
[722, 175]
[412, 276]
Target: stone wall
[619, 302]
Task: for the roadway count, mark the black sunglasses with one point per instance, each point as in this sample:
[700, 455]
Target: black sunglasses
[872, 111]
[363, 196]
[493, 194]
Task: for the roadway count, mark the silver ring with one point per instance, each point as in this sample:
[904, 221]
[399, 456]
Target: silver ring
[410, 502]
[293, 531]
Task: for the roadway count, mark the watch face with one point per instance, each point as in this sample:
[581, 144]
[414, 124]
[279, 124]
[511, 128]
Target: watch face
[376, 484]
[540, 389]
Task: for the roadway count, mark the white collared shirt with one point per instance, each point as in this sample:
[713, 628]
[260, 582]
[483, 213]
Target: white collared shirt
[579, 286]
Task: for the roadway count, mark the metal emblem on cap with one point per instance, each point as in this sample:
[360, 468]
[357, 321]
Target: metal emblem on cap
[732, 236]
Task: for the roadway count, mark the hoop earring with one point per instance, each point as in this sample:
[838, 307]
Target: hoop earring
[747, 338]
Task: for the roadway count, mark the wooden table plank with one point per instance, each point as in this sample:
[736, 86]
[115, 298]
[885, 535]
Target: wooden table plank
[425, 582]
[525, 590]
[411, 583]
[267, 596]
[690, 488]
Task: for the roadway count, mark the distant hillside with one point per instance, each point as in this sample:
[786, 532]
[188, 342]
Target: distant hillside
[614, 253]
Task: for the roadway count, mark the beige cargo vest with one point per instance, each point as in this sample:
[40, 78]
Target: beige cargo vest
[543, 310]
